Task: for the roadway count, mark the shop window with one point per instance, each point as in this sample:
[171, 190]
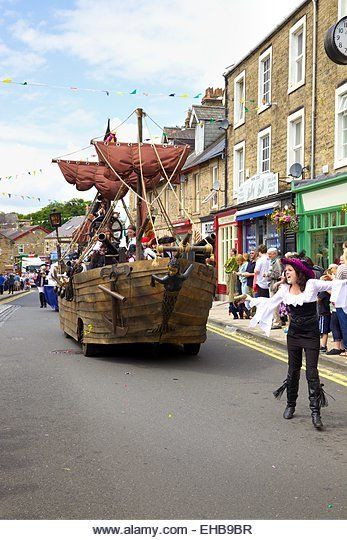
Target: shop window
[297, 53]
[339, 237]
[264, 82]
[239, 99]
[324, 221]
[20, 249]
[264, 150]
[227, 239]
[317, 220]
[320, 248]
[333, 222]
[341, 127]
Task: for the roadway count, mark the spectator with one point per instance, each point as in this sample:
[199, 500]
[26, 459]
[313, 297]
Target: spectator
[10, 281]
[262, 266]
[324, 319]
[273, 275]
[334, 322]
[342, 316]
[231, 268]
[2, 281]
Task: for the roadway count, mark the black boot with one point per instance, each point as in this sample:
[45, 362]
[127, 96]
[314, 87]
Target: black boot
[316, 396]
[292, 396]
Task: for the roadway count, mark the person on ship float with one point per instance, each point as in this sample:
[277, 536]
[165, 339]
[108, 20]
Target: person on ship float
[299, 290]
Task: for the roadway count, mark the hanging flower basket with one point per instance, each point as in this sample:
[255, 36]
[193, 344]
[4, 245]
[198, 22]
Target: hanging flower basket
[344, 208]
[285, 218]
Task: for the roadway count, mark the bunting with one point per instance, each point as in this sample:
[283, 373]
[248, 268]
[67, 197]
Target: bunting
[23, 197]
[108, 92]
[33, 172]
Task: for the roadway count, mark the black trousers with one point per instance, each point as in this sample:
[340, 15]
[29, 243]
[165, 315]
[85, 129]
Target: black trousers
[42, 299]
[296, 345]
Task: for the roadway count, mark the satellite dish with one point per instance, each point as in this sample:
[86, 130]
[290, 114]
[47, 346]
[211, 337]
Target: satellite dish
[295, 170]
[216, 185]
[224, 124]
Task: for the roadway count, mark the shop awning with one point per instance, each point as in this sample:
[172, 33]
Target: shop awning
[256, 211]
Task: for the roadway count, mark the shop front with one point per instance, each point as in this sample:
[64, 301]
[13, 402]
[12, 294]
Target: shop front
[226, 231]
[257, 198]
[322, 209]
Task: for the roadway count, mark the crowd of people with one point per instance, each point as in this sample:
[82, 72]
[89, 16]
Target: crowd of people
[11, 282]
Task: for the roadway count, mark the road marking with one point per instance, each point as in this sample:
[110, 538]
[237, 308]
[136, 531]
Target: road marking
[12, 298]
[325, 373]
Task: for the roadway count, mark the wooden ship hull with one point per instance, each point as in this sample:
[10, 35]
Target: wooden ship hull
[117, 305]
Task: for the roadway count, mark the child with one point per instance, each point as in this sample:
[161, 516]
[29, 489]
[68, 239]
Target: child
[324, 319]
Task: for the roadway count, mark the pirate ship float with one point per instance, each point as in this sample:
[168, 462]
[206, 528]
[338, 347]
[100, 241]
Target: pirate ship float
[165, 300]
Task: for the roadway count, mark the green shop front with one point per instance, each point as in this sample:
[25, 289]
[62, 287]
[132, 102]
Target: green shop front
[322, 209]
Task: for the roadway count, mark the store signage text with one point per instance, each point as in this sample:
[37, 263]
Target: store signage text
[260, 185]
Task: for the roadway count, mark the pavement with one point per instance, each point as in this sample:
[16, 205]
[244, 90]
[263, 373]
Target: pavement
[7, 297]
[219, 317]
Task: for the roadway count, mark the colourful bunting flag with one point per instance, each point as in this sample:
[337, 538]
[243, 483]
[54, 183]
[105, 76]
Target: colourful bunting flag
[7, 81]
[172, 95]
[134, 92]
[197, 96]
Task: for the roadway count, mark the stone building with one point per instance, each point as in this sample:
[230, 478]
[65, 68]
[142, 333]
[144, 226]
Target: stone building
[286, 103]
[65, 233]
[6, 253]
[24, 242]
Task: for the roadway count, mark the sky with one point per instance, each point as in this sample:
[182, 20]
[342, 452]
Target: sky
[153, 46]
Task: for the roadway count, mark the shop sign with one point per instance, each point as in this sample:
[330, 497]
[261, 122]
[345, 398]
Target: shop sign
[207, 228]
[260, 185]
[225, 220]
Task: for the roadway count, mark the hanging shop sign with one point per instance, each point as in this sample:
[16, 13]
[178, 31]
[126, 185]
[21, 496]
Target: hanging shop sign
[258, 186]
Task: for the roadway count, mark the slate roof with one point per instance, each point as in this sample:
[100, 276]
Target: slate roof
[14, 235]
[206, 112]
[180, 133]
[214, 150]
[67, 230]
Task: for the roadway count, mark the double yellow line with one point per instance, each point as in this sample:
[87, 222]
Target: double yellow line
[337, 378]
[13, 297]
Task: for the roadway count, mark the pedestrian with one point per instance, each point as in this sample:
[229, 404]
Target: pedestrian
[231, 268]
[2, 281]
[243, 264]
[273, 275]
[262, 266]
[341, 313]
[40, 283]
[324, 314]
[11, 282]
[299, 290]
[334, 321]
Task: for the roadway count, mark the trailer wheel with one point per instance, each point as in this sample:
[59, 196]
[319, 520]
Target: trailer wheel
[191, 348]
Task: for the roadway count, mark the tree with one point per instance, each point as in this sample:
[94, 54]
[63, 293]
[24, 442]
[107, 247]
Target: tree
[74, 207]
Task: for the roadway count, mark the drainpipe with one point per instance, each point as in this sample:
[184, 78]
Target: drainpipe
[226, 146]
[314, 90]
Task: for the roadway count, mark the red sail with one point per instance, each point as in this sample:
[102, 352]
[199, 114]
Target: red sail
[125, 159]
[87, 175]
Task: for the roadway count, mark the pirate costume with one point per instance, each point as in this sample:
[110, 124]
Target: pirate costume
[303, 334]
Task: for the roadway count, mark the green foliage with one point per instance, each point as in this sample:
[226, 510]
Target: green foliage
[74, 207]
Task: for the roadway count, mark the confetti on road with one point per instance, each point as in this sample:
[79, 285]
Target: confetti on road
[66, 469]
[170, 415]
[330, 506]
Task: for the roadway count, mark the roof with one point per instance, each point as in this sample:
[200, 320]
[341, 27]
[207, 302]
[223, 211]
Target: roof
[179, 133]
[18, 233]
[67, 230]
[215, 149]
[233, 67]
[209, 112]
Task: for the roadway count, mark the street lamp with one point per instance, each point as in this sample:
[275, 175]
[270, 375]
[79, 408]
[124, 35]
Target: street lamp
[55, 220]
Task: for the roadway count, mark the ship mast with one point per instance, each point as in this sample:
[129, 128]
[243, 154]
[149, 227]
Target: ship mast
[139, 113]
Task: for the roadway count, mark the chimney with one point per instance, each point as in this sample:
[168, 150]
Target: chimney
[188, 117]
[213, 97]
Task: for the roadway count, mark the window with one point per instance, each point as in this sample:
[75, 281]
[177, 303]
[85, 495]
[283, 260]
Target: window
[297, 53]
[214, 200]
[239, 166]
[341, 127]
[342, 9]
[199, 137]
[227, 239]
[196, 192]
[264, 150]
[264, 83]
[295, 139]
[20, 249]
[182, 195]
[239, 99]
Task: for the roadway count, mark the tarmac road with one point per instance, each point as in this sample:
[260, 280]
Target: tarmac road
[154, 434]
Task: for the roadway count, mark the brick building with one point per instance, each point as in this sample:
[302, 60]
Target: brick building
[286, 103]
